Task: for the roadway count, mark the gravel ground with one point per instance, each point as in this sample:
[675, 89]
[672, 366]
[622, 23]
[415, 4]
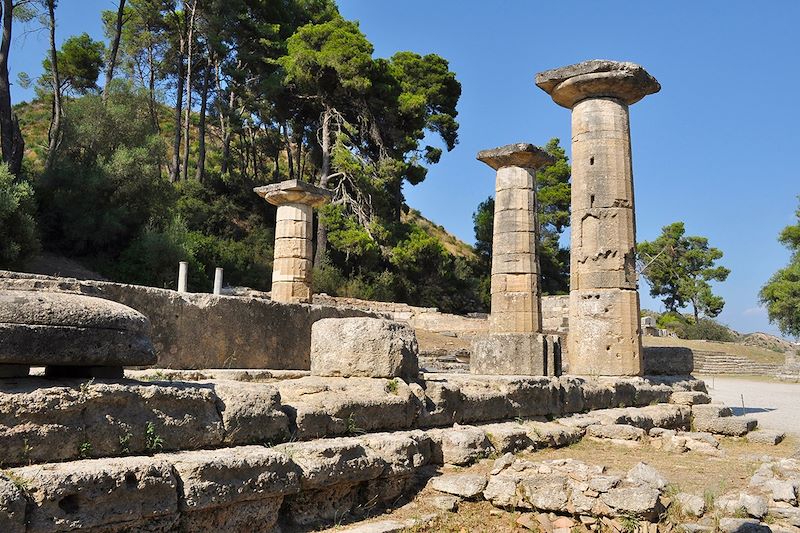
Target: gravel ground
[775, 404]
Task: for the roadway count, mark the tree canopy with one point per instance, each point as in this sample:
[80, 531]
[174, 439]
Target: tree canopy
[781, 294]
[679, 269]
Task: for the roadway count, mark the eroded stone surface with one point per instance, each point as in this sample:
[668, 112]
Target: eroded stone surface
[48, 328]
[363, 347]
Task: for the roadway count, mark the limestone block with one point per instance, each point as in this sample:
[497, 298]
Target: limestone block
[12, 506]
[251, 413]
[616, 432]
[510, 302]
[291, 269]
[329, 462]
[689, 398]
[238, 517]
[514, 283]
[298, 229]
[508, 437]
[341, 406]
[732, 426]
[465, 485]
[604, 338]
[545, 492]
[218, 478]
[511, 220]
[404, 453]
[294, 192]
[459, 445]
[518, 242]
[522, 263]
[442, 403]
[295, 213]
[515, 156]
[641, 500]
[369, 347]
[514, 178]
[603, 249]
[625, 81]
[516, 199]
[46, 328]
[513, 322]
[293, 247]
[766, 436]
[291, 291]
[667, 361]
[511, 354]
[99, 492]
[714, 410]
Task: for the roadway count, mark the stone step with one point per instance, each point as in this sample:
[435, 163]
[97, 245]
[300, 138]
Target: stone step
[43, 421]
[731, 426]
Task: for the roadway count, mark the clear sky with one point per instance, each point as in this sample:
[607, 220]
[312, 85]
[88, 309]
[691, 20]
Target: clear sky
[714, 148]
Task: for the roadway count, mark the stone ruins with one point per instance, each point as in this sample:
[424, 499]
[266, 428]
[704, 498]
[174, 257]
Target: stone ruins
[293, 259]
[247, 413]
[515, 344]
[605, 334]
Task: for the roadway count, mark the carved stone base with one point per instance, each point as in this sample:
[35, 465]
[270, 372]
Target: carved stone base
[516, 354]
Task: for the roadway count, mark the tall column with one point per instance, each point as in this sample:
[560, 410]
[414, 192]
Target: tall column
[292, 261]
[514, 345]
[604, 329]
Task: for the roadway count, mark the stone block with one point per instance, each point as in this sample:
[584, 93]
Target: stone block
[465, 485]
[766, 436]
[513, 283]
[328, 462]
[604, 338]
[689, 398]
[294, 192]
[459, 445]
[511, 354]
[293, 247]
[616, 432]
[251, 413]
[521, 241]
[293, 229]
[238, 517]
[516, 199]
[404, 453]
[291, 269]
[732, 426]
[520, 322]
[515, 263]
[291, 291]
[603, 249]
[320, 407]
[219, 478]
[667, 361]
[47, 328]
[367, 347]
[515, 157]
[122, 492]
[511, 220]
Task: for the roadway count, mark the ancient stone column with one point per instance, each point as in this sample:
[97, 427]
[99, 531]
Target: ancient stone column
[514, 344]
[604, 330]
[292, 262]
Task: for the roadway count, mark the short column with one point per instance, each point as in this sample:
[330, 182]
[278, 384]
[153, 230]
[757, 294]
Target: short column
[604, 329]
[292, 260]
[515, 344]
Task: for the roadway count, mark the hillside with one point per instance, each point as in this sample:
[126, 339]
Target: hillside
[450, 242]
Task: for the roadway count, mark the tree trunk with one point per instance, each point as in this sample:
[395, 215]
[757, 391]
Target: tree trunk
[112, 60]
[187, 119]
[201, 134]
[152, 87]
[6, 121]
[288, 150]
[325, 172]
[54, 134]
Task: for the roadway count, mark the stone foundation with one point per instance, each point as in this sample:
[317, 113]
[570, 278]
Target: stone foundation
[532, 354]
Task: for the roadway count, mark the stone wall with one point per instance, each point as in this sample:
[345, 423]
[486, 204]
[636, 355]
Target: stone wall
[555, 313]
[192, 331]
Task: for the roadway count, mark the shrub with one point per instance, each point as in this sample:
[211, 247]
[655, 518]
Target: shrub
[18, 238]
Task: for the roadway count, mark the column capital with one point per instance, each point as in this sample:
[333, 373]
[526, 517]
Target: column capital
[523, 155]
[294, 192]
[597, 78]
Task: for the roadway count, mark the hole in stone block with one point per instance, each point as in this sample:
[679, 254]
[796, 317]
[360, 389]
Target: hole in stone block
[69, 504]
[130, 480]
[591, 160]
[591, 201]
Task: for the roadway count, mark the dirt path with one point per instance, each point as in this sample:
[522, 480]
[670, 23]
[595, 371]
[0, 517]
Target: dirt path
[776, 405]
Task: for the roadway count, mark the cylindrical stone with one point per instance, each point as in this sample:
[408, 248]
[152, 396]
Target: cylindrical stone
[604, 304]
[183, 269]
[218, 280]
[292, 260]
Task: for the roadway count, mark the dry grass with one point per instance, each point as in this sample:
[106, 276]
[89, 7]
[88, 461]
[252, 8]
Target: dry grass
[755, 353]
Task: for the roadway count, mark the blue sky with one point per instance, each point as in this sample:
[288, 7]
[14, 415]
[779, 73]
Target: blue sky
[715, 148]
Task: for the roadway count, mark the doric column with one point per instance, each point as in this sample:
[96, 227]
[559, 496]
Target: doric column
[514, 344]
[604, 329]
[292, 260]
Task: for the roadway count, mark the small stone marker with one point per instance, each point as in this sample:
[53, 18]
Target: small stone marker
[604, 329]
[365, 347]
[292, 263]
[515, 345]
[183, 269]
[72, 335]
[218, 281]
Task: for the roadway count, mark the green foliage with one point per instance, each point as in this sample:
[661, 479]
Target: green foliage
[153, 442]
[105, 184]
[85, 450]
[679, 268]
[79, 63]
[781, 294]
[18, 238]
[685, 327]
